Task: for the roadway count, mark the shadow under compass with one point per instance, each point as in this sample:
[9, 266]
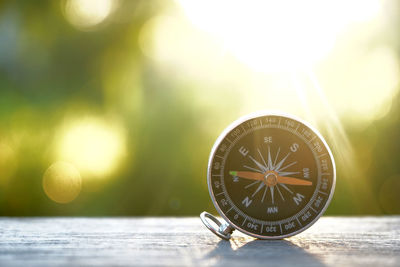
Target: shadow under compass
[240, 252]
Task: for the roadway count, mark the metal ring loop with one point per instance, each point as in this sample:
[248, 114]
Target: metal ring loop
[220, 231]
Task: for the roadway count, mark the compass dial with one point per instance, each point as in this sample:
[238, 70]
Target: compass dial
[271, 176]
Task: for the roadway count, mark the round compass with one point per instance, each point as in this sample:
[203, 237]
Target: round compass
[270, 176]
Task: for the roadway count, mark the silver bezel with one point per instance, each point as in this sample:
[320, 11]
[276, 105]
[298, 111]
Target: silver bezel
[249, 117]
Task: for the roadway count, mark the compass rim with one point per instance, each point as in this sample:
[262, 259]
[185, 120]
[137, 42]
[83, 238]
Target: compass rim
[251, 116]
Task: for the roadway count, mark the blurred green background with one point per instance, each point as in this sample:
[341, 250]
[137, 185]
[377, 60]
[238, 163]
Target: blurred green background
[111, 107]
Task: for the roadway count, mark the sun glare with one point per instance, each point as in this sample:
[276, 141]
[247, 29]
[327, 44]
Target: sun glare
[93, 146]
[272, 36]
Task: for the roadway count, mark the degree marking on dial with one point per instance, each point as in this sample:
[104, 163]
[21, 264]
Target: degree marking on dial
[312, 138]
[245, 218]
[229, 209]
[325, 173]
[280, 226]
[313, 209]
[297, 218]
[320, 156]
[217, 175]
[220, 193]
[322, 193]
[227, 139]
[219, 157]
[298, 125]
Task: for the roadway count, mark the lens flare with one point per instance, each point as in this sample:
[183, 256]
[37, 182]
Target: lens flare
[62, 182]
[92, 145]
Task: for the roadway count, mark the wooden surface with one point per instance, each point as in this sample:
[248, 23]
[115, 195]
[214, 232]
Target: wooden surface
[332, 241]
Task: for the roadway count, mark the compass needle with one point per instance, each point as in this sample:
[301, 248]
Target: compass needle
[267, 179]
[292, 181]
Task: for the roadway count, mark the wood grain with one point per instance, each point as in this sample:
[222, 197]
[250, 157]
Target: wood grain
[332, 241]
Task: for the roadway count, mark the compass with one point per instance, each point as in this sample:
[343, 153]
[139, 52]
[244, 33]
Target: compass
[269, 176]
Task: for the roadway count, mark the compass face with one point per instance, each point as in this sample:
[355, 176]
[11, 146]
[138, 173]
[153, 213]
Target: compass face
[271, 176]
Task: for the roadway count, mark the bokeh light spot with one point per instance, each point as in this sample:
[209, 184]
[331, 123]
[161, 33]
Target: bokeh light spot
[62, 182]
[85, 14]
[92, 145]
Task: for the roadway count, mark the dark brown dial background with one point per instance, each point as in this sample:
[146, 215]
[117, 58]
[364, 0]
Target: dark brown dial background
[263, 218]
